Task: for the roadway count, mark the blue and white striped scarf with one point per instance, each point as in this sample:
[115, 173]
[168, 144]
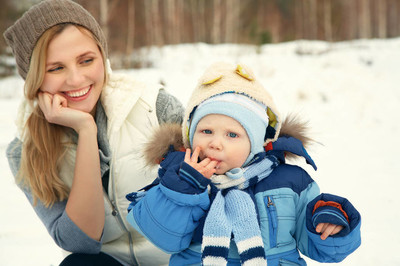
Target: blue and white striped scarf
[233, 212]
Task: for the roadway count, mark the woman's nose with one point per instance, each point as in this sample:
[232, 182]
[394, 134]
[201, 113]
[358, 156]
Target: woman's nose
[75, 77]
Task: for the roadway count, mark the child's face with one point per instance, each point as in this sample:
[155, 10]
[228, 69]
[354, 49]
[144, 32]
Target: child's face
[223, 139]
[74, 69]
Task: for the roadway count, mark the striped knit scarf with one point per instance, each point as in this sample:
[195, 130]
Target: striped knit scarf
[233, 212]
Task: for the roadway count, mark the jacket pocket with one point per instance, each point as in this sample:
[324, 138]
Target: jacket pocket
[279, 214]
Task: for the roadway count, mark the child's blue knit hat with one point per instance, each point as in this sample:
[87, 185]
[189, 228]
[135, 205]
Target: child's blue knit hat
[249, 113]
[233, 91]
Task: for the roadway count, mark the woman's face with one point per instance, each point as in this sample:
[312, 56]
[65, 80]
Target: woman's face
[74, 69]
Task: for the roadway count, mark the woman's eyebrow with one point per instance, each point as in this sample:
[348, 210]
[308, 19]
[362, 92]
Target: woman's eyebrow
[78, 57]
[86, 54]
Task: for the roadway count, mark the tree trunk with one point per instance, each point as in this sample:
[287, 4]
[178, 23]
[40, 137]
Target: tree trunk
[365, 19]
[216, 27]
[202, 21]
[328, 20]
[236, 21]
[104, 17]
[298, 13]
[180, 21]
[130, 32]
[196, 18]
[382, 19]
[305, 12]
[313, 19]
[228, 23]
[156, 23]
[393, 24]
[148, 23]
[171, 21]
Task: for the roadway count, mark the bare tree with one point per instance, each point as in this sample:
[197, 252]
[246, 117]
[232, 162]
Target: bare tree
[130, 32]
[216, 27]
[313, 21]
[156, 29]
[305, 15]
[180, 20]
[148, 22]
[365, 19]
[382, 19]
[393, 18]
[328, 20]
[171, 21]
[298, 13]
[196, 19]
[104, 16]
[228, 22]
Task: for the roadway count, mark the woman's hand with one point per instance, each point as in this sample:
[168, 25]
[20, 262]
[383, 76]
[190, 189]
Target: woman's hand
[56, 111]
[327, 229]
[205, 167]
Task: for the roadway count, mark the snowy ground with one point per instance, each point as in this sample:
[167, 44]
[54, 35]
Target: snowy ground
[348, 91]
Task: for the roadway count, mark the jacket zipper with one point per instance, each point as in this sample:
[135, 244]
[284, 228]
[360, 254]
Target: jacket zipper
[272, 221]
[114, 211]
[117, 214]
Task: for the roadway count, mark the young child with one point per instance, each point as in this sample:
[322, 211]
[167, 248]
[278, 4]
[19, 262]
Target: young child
[235, 200]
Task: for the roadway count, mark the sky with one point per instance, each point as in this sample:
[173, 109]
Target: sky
[348, 92]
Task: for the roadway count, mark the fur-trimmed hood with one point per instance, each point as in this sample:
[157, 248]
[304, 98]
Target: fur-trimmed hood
[167, 135]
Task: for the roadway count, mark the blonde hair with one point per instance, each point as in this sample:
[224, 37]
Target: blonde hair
[44, 143]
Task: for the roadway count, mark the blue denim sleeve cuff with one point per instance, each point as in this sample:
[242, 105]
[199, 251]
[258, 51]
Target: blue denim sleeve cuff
[329, 214]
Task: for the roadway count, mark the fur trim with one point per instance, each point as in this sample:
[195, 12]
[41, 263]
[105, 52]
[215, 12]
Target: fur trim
[293, 126]
[159, 143]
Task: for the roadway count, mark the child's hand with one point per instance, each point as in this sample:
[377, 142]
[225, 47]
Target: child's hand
[205, 167]
[327, 229]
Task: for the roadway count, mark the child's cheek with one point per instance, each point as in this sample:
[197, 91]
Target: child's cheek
[201, 156]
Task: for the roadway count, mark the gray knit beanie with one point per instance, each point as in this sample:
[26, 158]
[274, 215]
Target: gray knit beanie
[26, 31]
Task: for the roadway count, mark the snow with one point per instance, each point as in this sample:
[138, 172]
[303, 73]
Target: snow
[348, 91]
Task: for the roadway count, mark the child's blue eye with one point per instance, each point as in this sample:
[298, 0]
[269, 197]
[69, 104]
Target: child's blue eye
[232, 135]
[207, 131]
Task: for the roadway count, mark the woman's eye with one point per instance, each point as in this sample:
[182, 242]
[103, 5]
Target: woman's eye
[87, 61]
[54, 69]
[232, 135]
[207, 131]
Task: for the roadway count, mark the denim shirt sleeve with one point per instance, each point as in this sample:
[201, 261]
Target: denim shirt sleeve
[61, 228]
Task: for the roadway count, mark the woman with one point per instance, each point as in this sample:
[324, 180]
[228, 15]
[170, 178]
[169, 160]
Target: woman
[81, 129]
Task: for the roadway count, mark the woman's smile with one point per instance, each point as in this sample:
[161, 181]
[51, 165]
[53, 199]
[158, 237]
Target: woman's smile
[78, 95]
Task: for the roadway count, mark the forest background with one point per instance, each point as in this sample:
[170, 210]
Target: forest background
[132, 24]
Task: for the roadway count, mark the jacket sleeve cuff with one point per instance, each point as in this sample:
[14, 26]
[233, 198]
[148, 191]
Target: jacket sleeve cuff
[193, 177]
[332, 215]
[185, 179]
[327, 208]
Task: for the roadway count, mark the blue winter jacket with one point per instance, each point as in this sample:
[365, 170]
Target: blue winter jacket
[171, 212]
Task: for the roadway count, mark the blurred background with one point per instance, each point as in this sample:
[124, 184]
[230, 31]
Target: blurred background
[333, 62]
[131, 24]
